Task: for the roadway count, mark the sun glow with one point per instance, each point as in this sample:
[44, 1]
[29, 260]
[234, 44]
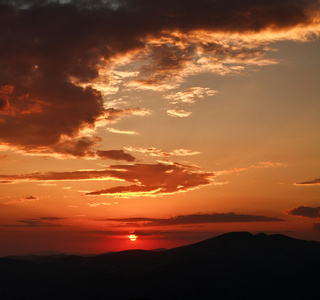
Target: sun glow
[133, 237]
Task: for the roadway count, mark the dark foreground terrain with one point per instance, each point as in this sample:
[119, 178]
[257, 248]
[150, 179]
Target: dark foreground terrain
[231, 266]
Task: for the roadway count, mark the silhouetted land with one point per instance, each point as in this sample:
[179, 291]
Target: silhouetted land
[231, 266]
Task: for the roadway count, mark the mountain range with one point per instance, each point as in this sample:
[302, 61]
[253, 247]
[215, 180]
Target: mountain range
[237, 265]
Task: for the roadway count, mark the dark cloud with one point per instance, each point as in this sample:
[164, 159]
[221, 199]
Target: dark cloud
[311, 182]
[305, 211]
[84, 147]
[31, 198]
[52, 218]
[115, 155]
[192, 219]
[51, 52]
[39, 222]
[316, 227]
[154, 179]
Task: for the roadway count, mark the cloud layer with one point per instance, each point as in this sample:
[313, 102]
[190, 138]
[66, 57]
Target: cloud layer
[305, 211]
[150, 180]
[161, 153]
[192, 219]
[39, 222]
[54, 54]
[147, 179]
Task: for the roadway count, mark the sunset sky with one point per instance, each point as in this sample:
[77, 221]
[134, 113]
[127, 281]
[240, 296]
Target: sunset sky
[171, 120]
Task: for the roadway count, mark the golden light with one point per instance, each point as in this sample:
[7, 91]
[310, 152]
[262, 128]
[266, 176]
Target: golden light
[133, 237]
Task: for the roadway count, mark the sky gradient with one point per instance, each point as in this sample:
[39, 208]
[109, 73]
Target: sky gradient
[170, 120]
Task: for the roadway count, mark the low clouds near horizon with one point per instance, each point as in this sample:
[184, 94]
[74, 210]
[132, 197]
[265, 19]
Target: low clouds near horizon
[191, 219]
[305, 211]
[38, 222]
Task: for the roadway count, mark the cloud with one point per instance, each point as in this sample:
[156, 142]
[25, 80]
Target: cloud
[145, 179]
[115, 155]
[161, 153]
[190, 95]
[178, 113]
[52, 218]
[305, 211]
[186, 97]
[97, 204]
[311, 182]
[35, 223]
[316, 227]
[31, 198]
[259, 165]
[60, 59]
[148, 179]
[110, 129]
[112, 115]
[82, 147]
[192, 219]
[156, 180]
[22, 201]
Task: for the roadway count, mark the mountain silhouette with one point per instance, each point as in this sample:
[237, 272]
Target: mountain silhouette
[236, 265]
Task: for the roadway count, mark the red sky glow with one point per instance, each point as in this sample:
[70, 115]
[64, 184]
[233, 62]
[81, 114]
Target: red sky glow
[168, 121]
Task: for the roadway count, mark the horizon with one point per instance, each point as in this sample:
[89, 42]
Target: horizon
[155, 125]
[48, 252]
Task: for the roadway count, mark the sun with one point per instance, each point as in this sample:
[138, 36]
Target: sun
[133, 237]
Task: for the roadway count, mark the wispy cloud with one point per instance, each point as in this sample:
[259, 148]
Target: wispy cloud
[178, 113]
[156, 180]
[97, 204]
[190, 95]
[34, 223]
[21, 201]
[146, 179]
[161, 153]
[110, 129]
[191, 219]
[311, 182]
[262, 164]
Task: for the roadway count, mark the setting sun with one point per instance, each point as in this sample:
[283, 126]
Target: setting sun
[184, 128]
[133, 237]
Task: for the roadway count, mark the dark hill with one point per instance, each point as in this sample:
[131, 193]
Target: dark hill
[231, 266]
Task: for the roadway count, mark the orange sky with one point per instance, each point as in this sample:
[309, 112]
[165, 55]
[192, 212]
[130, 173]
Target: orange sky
[168, 121]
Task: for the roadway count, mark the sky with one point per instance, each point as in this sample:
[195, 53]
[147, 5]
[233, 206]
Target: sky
[174, 121]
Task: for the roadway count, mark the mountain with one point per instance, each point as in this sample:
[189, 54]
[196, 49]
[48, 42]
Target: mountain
[236, 265]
